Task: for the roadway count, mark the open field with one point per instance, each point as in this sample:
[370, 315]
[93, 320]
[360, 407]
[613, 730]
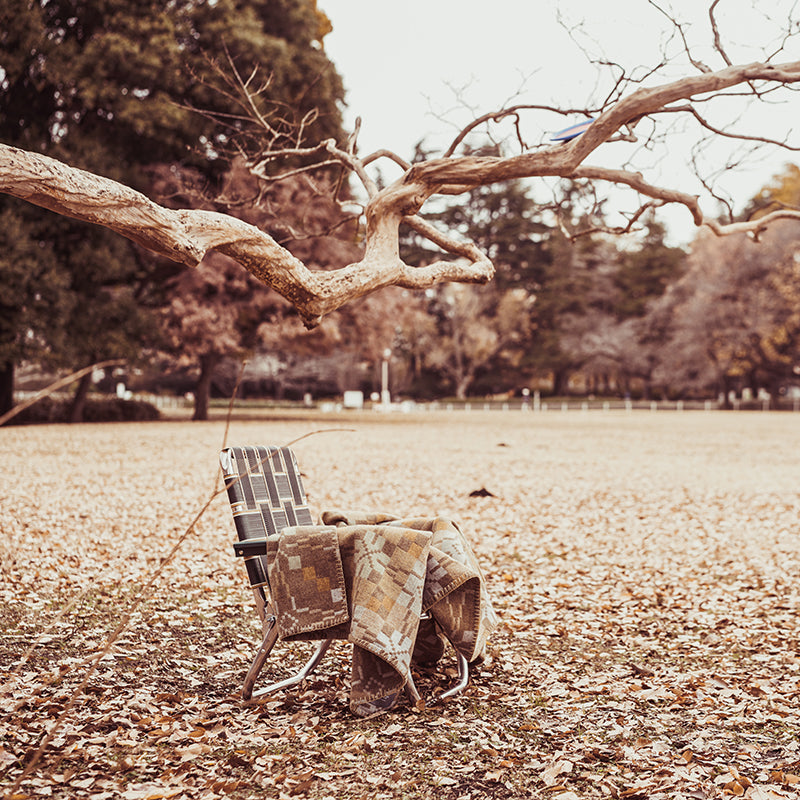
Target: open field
[644, 568]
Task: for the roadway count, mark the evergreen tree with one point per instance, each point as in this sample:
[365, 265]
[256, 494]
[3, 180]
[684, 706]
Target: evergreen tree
[32, 289]
[645, 272]
[505, 222]
[110, 86]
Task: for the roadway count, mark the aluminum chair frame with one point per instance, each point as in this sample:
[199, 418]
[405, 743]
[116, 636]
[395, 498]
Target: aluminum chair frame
[266, 494]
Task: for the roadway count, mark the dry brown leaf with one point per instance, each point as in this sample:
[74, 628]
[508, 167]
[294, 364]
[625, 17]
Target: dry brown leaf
[557, 768]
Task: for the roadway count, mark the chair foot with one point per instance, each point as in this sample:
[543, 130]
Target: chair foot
[307, 669]
[463, 680]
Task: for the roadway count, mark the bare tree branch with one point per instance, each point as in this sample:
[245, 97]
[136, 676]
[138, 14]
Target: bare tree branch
[717, 40]
[187, 235]
[690, 109]
[401, 162]
[698, 65]
[634, 180]
[497, 116]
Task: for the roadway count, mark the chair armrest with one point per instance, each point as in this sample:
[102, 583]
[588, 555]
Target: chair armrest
[250, 547]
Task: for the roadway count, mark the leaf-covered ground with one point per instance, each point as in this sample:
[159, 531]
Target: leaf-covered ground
[644, 567]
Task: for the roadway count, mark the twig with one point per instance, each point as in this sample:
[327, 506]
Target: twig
[54, 387]
[229, 417]
[142, 595]
[717, 40]
[321, 430]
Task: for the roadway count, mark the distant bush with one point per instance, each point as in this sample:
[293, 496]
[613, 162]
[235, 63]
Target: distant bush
[115, 409]
[111, 409]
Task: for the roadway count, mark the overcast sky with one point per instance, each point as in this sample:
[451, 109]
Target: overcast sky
[421, 69]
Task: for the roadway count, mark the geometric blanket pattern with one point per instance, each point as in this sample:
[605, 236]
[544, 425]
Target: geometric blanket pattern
[466, 616]
[367, 578]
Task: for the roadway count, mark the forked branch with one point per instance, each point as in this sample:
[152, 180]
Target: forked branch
[187, 235]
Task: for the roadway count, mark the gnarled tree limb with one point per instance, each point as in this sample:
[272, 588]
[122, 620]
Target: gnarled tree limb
[187, 235]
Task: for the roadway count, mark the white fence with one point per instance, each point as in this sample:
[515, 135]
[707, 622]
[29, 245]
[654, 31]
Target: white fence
[535, 406]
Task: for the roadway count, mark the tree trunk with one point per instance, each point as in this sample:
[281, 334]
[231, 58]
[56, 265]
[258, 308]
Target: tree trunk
[202, 392]
[560, 382]
[79, 399]
[6, 386]
[726, 384]
[416, 364]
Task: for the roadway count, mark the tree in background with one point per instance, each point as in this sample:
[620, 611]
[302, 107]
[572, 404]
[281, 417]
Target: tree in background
[735, 314]
[111, 86]
[32, 291]
[646, 270]
[783, 192]
[474, 328]
[214, 313]
[575, 291]
[732, 320]
[212, 318]
[615, 338]
[626, 115]
[586, 287]
[492, 330]
[347, 349]
[104, 308]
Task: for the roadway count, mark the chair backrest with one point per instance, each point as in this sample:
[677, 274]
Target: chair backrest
[266, 495]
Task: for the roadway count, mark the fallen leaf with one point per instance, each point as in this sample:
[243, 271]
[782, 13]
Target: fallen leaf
[192, 751]
[557, 768]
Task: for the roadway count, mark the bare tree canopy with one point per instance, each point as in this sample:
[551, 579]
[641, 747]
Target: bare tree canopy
[187, 235]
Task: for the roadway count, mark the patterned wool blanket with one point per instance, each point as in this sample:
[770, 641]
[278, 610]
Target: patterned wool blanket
[367, 578]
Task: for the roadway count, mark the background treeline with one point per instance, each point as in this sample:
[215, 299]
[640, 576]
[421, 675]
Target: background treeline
[592, 314]
[146, 94]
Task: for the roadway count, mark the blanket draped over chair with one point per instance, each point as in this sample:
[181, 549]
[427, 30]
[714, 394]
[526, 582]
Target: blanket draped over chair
[367, 578]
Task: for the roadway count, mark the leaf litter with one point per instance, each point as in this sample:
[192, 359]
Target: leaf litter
[643, 568]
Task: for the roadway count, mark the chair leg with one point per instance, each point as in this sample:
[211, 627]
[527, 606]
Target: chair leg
[270, 638]
[413, 694]
[463, 679]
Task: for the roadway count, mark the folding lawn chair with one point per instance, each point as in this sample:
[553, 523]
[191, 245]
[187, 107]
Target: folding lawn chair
[267, 496]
